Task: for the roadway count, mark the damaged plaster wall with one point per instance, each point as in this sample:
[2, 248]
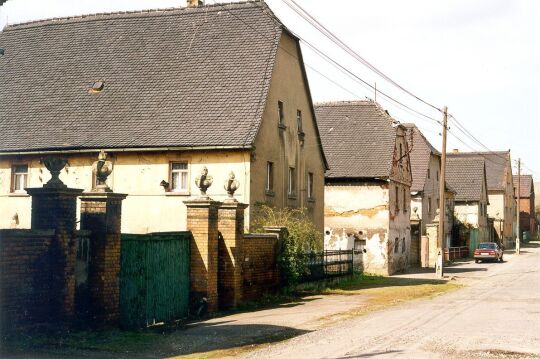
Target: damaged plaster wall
[358, 212]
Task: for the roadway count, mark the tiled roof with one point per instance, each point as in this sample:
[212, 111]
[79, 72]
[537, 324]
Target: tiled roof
[420, 155]
[358, 139]
[496, 164]
[177, 77]
[465, 175]
[526, 185]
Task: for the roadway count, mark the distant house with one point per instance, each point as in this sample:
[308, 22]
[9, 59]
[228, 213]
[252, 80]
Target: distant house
[466, 175]
[164, 93]
[527, 220]
[502, 206]
[367, 189]
[425, 166]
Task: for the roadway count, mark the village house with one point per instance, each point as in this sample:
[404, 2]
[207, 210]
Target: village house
[367, 189]
[500, 185]
[165, 93]
[527, 217]
[425, 167]
[466, 175]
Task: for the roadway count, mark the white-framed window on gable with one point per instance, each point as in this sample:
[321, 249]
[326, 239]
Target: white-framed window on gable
[179, 177]
[292, 182]
[269, 186]
[310, 185]
[19, 178]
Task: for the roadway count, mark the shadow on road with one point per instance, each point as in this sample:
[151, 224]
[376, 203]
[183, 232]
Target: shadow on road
[464, 270]
[198, 338]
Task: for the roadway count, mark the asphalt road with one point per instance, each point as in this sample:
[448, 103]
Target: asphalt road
[497, 315]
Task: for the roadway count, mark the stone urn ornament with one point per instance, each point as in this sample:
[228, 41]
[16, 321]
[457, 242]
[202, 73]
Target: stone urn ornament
[203, 182]
[231, 185]
[55, 165]
[102, 169]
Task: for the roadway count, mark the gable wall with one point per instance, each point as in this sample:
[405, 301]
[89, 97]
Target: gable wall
[283, 146]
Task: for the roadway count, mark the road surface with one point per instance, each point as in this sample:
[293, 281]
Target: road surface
[497, 315]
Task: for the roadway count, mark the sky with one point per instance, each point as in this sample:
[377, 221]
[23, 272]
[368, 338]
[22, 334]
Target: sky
[481, 58]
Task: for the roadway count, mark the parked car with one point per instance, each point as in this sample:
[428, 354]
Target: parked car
[488, 251]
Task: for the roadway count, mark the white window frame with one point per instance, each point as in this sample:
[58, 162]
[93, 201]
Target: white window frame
[310, 185]
[19, 178]
[291, 189]
[269, 185]
[181, 171]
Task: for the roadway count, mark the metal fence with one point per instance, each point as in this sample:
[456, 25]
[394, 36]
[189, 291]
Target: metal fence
[328, 264]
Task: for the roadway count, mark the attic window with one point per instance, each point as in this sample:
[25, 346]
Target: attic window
[97, 87]
[1, 52]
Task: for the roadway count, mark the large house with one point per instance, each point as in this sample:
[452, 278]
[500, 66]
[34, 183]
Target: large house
[500, 186]
[527, 217]
[466, 175]
[367, 189]
[164, 93]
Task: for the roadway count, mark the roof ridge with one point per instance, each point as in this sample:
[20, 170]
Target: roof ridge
[341, 103]
[132, 14]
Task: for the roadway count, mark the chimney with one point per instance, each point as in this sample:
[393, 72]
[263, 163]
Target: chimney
[455, 150]
[194, 3]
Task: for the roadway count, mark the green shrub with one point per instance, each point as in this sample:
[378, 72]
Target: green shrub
[303, 237]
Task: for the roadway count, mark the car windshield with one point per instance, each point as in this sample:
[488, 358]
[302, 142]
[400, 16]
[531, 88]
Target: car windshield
[486, 246]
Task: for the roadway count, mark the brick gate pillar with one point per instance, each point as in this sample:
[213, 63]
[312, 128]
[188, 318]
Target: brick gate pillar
[202, 221]
[231, 228]
[54, 206]
[101, 213]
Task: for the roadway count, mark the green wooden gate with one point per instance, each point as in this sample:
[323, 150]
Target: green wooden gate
[473, 240]
[154, 278]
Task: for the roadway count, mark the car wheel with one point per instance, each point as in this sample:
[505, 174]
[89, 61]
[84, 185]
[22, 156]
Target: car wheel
[477, 261]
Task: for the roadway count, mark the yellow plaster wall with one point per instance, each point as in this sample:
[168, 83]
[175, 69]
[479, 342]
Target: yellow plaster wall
[148, 207]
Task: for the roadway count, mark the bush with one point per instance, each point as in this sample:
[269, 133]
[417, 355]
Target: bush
[303, 238]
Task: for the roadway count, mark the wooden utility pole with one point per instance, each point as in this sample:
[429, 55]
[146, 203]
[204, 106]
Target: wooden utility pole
[518, 244]
[439, 267]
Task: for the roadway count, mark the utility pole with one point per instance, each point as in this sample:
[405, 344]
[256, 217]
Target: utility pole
[439, 267]
[518, 244]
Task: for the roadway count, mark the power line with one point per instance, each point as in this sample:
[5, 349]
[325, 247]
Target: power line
[332, 37]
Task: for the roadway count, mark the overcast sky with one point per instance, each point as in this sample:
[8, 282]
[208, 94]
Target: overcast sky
[481, 58]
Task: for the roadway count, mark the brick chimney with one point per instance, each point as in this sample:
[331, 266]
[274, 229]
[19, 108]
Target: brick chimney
[194, 3]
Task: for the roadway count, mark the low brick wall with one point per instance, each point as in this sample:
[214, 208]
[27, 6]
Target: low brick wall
[260, 267]
[26, 283]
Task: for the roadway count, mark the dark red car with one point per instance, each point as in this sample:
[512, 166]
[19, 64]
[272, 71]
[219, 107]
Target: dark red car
[488, 251]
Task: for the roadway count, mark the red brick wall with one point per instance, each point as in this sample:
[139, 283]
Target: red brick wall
[260, 269]
[33, 278]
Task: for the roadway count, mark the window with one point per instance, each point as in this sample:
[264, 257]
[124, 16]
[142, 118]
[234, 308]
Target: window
[397, 199]
[405, 199]
[437, 175]
[403, 245]
[400, 153]
[292, 182]
[269, 176]
[429, 173]
[429, 204]
[281, 114]
[310, 185]
[396, 245]
[19, 180]
[299, 121]
[179, 177]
